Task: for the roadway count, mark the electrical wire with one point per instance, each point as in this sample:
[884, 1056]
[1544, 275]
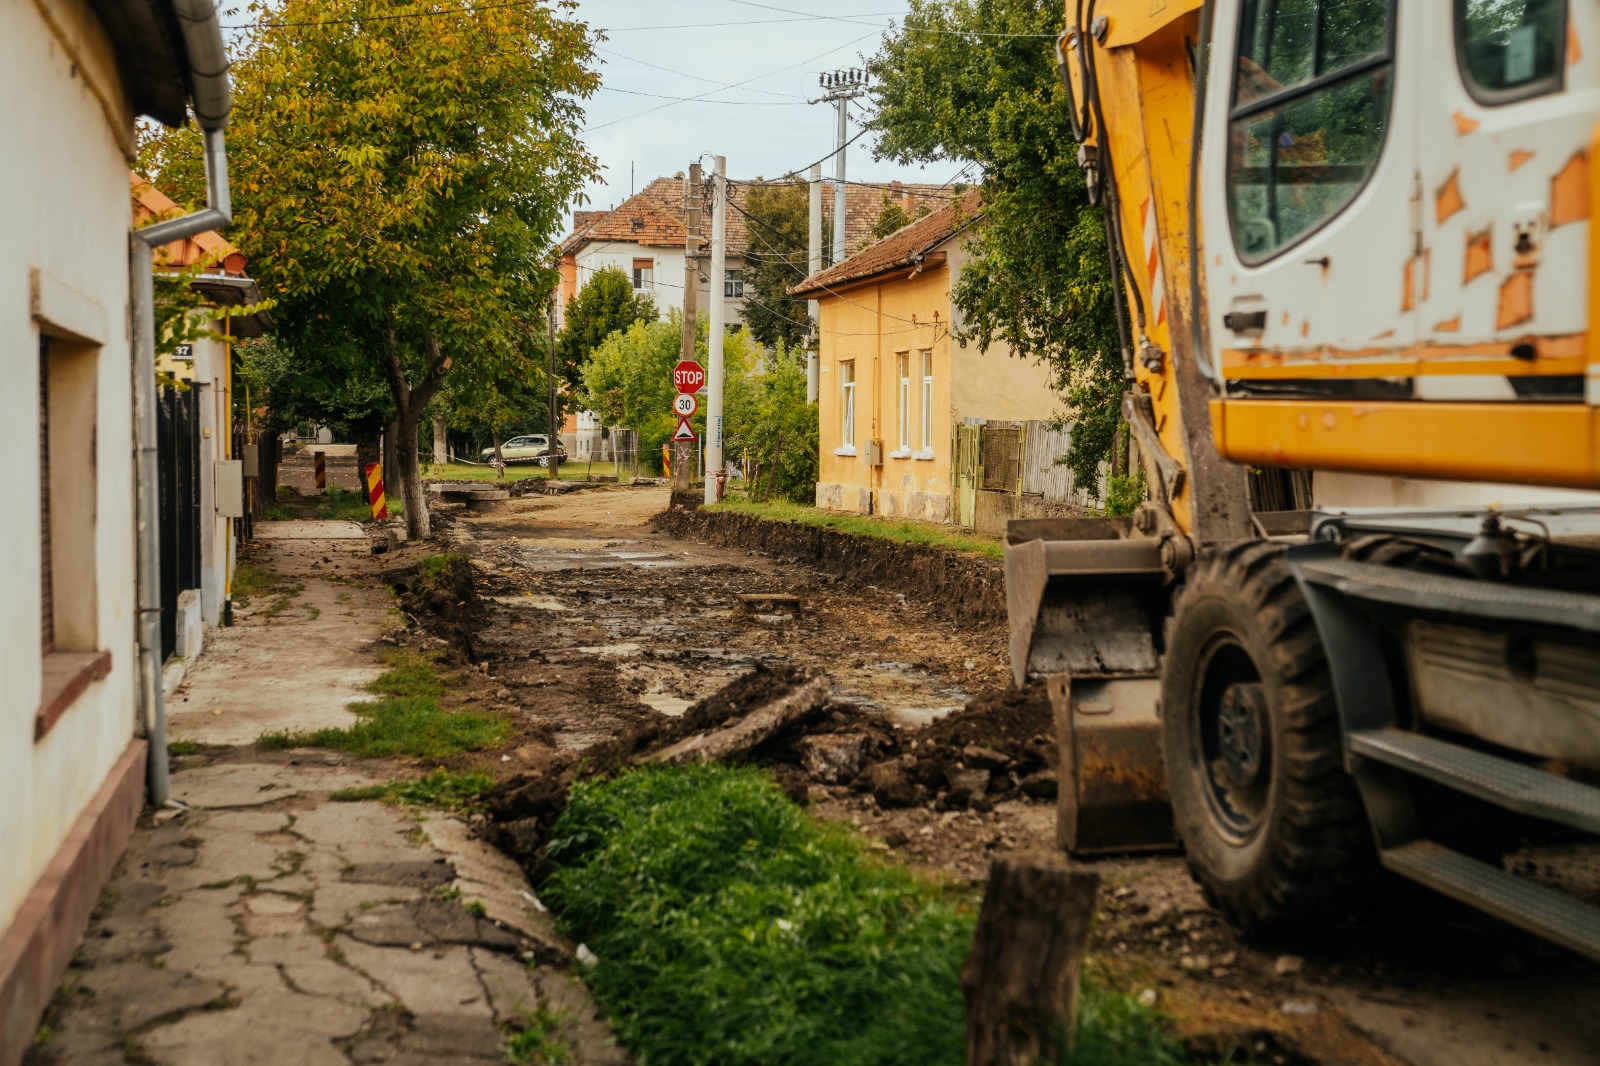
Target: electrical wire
[906, 27]
[471, 8]
[699, 99]
[686, 74]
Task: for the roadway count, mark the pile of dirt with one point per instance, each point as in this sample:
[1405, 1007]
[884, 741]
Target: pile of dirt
[960, 586]
[439, 594]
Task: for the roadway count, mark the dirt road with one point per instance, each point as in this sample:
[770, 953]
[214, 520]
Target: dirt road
[596, 622]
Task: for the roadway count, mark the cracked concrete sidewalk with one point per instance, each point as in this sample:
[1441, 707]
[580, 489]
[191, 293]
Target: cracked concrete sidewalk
[270, 924]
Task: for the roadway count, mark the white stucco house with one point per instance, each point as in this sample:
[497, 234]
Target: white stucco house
[81, 735]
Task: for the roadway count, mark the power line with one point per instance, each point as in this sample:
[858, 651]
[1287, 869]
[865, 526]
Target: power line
[907, 27]
[798, 16]
[734, 85]
[696, 77]
[699, 99]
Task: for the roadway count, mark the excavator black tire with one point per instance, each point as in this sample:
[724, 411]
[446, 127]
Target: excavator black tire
[1271, 823]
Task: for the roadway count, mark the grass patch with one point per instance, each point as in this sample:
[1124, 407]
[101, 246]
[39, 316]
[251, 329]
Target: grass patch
[441, 789]
[903, 530]
[407, 721]
[184, 747]
[251, 580]
[343, 505]
[537, 1039]
[571, 470]
[732, 929]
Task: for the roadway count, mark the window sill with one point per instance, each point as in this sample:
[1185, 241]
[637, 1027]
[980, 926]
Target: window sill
[67, 675]
[848, 450]
[900, 453]
[923, 455]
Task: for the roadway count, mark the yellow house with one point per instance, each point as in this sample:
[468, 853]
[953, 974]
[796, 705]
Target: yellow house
[893, 386]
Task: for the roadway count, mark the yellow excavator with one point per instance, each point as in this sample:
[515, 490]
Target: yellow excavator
[1357, 269]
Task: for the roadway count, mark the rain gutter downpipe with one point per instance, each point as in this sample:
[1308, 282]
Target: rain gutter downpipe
[208, 77]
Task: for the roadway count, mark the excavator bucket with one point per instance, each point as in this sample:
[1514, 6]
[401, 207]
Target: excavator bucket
[1085, 602]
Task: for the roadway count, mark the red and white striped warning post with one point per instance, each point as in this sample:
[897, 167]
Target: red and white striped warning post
[380, 507]
[1152, 262]
[321, 461]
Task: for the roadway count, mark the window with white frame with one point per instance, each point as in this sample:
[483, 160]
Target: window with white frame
[927, 402]
[847, 403]
[904, 362]
[644, 274]
[733, 283]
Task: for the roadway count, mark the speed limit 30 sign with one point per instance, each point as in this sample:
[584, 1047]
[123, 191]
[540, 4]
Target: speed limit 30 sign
[685, 404]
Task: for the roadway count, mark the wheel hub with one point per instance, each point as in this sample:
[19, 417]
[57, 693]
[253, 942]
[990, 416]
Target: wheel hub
[1240, 727]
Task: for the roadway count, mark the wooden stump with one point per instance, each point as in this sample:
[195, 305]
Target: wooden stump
[1021, 978]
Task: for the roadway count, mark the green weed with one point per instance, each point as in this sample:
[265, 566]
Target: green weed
[184, 747]
[250, 580]
[441, 789]
[407, 721]
[1125, 494]
[905, 531]
[537, 1041]
[410, 725]
[731, 928]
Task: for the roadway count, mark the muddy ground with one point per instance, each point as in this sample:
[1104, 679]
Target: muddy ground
[593, 623]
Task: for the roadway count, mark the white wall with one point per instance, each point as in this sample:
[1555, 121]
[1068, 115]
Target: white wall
[64, 179]
[1334, 491]
[668, 291]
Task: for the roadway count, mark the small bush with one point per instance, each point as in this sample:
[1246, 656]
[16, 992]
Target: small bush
[1125, 494]
[731, 929]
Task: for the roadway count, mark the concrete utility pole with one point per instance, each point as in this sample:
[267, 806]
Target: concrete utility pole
[813, 267]
[842, 86]
[553, 442]
[719, 257]
[694, 194]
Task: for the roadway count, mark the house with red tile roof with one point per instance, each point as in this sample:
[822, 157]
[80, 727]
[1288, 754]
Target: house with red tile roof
[895, 382]
[644, 237]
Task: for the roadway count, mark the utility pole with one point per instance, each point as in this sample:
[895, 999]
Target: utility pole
[719, 257]
[842, 86]
[814, 267]
[694, 194]
[553, 443]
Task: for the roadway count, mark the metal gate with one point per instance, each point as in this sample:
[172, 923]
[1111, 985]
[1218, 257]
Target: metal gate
[178, 440]
[966, 472]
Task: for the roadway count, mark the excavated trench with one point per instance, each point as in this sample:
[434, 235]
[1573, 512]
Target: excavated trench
[597, 621]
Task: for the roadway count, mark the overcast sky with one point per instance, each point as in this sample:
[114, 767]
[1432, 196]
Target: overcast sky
[773, 56]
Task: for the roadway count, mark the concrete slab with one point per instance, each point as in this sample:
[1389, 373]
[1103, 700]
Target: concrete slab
[310, 529]
[255, 784]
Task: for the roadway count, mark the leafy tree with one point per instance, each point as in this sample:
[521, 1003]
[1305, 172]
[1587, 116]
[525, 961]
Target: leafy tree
[628, 379]
[606, 303]
[893, 217]
[767, 415]
[777, 257]
[1040, 277]
[294, 390]
[398, 183]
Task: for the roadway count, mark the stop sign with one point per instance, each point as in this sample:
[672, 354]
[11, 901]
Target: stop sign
[688, 376]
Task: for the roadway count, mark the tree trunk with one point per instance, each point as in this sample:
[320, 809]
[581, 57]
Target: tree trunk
[409, 402]
[1021, 978]
[391, 465]
[441, 443]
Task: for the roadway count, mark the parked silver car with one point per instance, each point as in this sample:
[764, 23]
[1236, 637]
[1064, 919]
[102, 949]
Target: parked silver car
[531, 448]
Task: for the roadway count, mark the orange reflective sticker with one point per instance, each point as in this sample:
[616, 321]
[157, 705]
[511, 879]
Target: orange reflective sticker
[1516, 300]
[1465, 124]
[1408, 298]
[1447, 200]
[1449, 325]
[1574, 49]
[1518, 158]
[1480, 254]
[1569, 191]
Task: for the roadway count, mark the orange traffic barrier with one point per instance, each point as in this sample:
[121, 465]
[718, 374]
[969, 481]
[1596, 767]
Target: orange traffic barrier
[380, 508]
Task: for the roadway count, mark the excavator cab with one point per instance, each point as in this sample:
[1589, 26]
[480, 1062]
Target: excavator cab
[1353, 242]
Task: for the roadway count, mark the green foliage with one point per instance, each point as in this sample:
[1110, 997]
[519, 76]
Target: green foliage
[761, 409]
[732, 929]
[1039, 279]
[537, 1040]
[441, 789]
[607, 303]
[628, 379]
[1125, 494]
[778, 258]
[182, 314]
[903, 530]
[893, 217]
[407, 721]
[296, 388]
[184, 747]
[398, 184]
